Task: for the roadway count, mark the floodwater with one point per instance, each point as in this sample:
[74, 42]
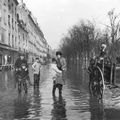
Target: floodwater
[39, 104]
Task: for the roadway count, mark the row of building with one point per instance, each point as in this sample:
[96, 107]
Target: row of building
[19, 33]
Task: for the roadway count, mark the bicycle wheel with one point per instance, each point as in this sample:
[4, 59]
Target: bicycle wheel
[97, 83]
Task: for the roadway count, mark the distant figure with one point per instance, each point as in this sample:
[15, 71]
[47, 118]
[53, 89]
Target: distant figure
[57, 78]
[36, 67]
[61, 64]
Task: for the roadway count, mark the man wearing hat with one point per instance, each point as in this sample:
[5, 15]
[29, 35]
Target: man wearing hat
[20, 60]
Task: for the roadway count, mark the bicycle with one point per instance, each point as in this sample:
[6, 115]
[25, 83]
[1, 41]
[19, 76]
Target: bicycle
[96, 84]
[22, 78]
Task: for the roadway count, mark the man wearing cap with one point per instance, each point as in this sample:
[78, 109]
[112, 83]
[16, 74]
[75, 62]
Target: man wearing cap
[20, 60]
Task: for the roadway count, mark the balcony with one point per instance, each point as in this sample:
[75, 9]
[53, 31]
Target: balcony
[21, 23]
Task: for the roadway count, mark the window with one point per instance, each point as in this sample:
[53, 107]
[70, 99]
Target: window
[3, 36]
[9, 7]
[12, 8]
[12, 23]
[0, 13]
[0, 35]
[15, 26]
[19, 40]
[12, 40]
[9, 39]
[9, 20]
[15, 12]
[23, 37]
[15, 42]
[4, 18]
[26, 40]
[17, 17]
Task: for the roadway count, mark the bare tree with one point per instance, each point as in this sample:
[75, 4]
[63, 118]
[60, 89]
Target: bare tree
[114, 29]
[114, 26]
[80, 42]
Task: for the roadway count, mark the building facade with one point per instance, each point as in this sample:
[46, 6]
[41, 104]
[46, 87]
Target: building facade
[12, 31]
[22, 18]
[35, 37]
[8, 31]
[35, 45]
[19, 33]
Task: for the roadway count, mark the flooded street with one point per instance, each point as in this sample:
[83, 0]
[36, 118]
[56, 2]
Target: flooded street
[39, 104]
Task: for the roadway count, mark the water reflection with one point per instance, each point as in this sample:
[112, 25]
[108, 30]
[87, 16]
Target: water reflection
[6, 80]
[112, 114]
[39, 104]
[59, 110]
[2, 82]
[96, 109]
[36, 104]
[21, 106]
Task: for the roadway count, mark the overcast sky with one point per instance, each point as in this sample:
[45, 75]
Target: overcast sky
[57, 16]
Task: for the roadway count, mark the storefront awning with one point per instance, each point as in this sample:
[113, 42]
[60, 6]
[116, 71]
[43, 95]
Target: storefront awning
[3, 46]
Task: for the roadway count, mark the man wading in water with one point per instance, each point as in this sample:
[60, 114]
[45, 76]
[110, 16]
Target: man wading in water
[57, 78]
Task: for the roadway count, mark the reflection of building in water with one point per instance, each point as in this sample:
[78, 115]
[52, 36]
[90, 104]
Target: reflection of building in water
[58, 111]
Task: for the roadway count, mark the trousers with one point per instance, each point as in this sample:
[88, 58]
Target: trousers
[59, 86]
[36, 80]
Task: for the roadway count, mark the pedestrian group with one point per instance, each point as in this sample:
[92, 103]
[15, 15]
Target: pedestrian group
[58, 71]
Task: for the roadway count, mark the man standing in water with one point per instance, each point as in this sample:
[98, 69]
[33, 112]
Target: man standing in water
[61, 64]
[36, 67]
[57, 78]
